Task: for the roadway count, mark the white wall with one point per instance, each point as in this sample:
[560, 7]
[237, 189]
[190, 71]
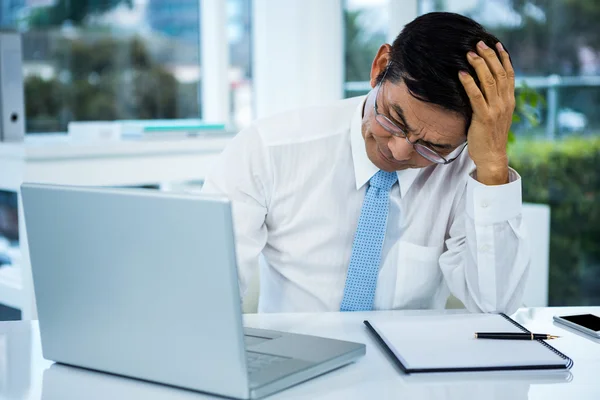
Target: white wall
[297, 54]
[536, 218]
[401, 12]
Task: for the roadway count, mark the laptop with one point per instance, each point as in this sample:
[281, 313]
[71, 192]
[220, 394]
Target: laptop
[143, 283]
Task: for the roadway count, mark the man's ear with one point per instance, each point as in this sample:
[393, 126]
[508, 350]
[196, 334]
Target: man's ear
[380, 62]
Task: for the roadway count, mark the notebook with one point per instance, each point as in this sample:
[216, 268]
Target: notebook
[446, 343]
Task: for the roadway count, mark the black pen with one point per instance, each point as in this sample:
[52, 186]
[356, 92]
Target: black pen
[514, 336]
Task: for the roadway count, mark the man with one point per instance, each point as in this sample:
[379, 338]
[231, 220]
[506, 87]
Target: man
[373, 202]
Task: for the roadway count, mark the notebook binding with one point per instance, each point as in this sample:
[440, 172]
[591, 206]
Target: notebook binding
[550, 347]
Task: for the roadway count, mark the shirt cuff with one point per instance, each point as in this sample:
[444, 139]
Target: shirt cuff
[494, 204]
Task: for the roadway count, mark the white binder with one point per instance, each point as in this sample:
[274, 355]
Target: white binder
[12, 105]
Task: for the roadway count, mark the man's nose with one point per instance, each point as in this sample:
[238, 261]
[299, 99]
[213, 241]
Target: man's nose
[401, 150]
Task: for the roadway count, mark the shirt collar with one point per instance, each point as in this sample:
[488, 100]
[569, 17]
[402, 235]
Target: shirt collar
[364, 169]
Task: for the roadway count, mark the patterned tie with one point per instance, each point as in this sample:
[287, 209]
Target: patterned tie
[361, 280]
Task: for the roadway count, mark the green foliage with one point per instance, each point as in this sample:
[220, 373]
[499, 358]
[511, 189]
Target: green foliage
[105, 79]
[527, 101]
[361, 48]
[74, 11]
[549, 42]
[565, 175]
[43, 106]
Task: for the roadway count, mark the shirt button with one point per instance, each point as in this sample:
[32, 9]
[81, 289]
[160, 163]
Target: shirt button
[484, 204]
[484, 248]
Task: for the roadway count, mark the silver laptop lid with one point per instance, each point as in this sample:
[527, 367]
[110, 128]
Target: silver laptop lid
[138, 283]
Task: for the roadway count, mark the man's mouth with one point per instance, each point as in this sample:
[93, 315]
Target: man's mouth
[388, 159]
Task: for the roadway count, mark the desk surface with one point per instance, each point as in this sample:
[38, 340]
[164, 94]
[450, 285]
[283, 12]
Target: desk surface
[24, 374]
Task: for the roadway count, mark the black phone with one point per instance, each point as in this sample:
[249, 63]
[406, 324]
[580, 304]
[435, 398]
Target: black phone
[587, 323]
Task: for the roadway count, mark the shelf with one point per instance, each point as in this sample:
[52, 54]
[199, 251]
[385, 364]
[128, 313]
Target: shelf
[61, 148]
[11, 287]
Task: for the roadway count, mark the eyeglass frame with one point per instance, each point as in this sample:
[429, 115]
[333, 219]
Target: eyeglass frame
[402, 134]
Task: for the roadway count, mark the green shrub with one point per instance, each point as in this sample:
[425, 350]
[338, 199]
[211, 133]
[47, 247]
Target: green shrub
[566, 175]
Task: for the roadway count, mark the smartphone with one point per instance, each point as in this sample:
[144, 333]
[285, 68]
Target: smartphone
[587, 323]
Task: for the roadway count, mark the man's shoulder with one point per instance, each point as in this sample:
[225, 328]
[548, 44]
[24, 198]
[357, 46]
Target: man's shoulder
[308, 123]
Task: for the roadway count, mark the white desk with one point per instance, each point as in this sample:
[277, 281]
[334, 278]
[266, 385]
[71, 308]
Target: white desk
[24, 374]
[57, 159]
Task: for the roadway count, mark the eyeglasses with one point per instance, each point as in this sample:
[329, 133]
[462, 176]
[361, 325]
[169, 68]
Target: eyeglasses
[423, 150]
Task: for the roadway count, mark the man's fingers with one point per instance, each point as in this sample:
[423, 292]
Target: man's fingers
[510, 72]
[494, 64]
[488, 82]
[478, 102]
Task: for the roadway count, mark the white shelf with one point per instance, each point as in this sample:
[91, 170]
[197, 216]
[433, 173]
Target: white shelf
[11, 293]
[57, 147]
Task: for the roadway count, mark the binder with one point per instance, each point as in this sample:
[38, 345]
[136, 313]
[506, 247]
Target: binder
[446, 343]
[12, 103]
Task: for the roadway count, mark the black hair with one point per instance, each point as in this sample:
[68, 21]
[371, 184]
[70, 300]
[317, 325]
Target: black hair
[428, 54]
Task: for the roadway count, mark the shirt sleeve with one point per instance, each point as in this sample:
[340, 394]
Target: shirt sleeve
[487, 257]
[242, 173]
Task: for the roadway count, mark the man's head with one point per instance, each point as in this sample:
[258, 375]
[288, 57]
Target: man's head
[416, 86]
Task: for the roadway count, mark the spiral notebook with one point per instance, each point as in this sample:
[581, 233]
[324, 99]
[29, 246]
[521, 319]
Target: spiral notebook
[446, 343]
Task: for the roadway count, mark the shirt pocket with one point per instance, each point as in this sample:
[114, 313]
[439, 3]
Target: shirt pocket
[418, 277]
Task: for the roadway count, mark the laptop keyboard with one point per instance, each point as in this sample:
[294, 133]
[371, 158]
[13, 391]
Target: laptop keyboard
[258, 361]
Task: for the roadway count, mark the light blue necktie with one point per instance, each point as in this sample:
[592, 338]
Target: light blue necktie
[363, 270]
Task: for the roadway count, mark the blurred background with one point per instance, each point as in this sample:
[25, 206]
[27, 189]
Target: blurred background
[231, 61]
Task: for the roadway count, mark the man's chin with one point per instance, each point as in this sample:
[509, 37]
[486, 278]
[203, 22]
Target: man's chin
[400, 167]
[391, 166]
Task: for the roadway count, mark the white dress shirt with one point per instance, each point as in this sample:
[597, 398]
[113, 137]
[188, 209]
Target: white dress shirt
[297, 183]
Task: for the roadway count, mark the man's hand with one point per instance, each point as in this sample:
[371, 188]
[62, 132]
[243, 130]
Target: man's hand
[493, 108]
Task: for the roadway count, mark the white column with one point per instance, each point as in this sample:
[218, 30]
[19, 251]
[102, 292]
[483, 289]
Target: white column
[298, 50]
[401, 12]
[552, 106]
[214, 61]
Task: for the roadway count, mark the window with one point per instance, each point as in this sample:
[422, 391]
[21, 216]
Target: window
[240, 48]
[555, 48]
[107, 60]
[366, 25]
[119, 59]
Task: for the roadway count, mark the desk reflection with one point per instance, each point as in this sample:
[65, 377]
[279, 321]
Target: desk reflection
[15, 360]
[479, 385]
[62, 382]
